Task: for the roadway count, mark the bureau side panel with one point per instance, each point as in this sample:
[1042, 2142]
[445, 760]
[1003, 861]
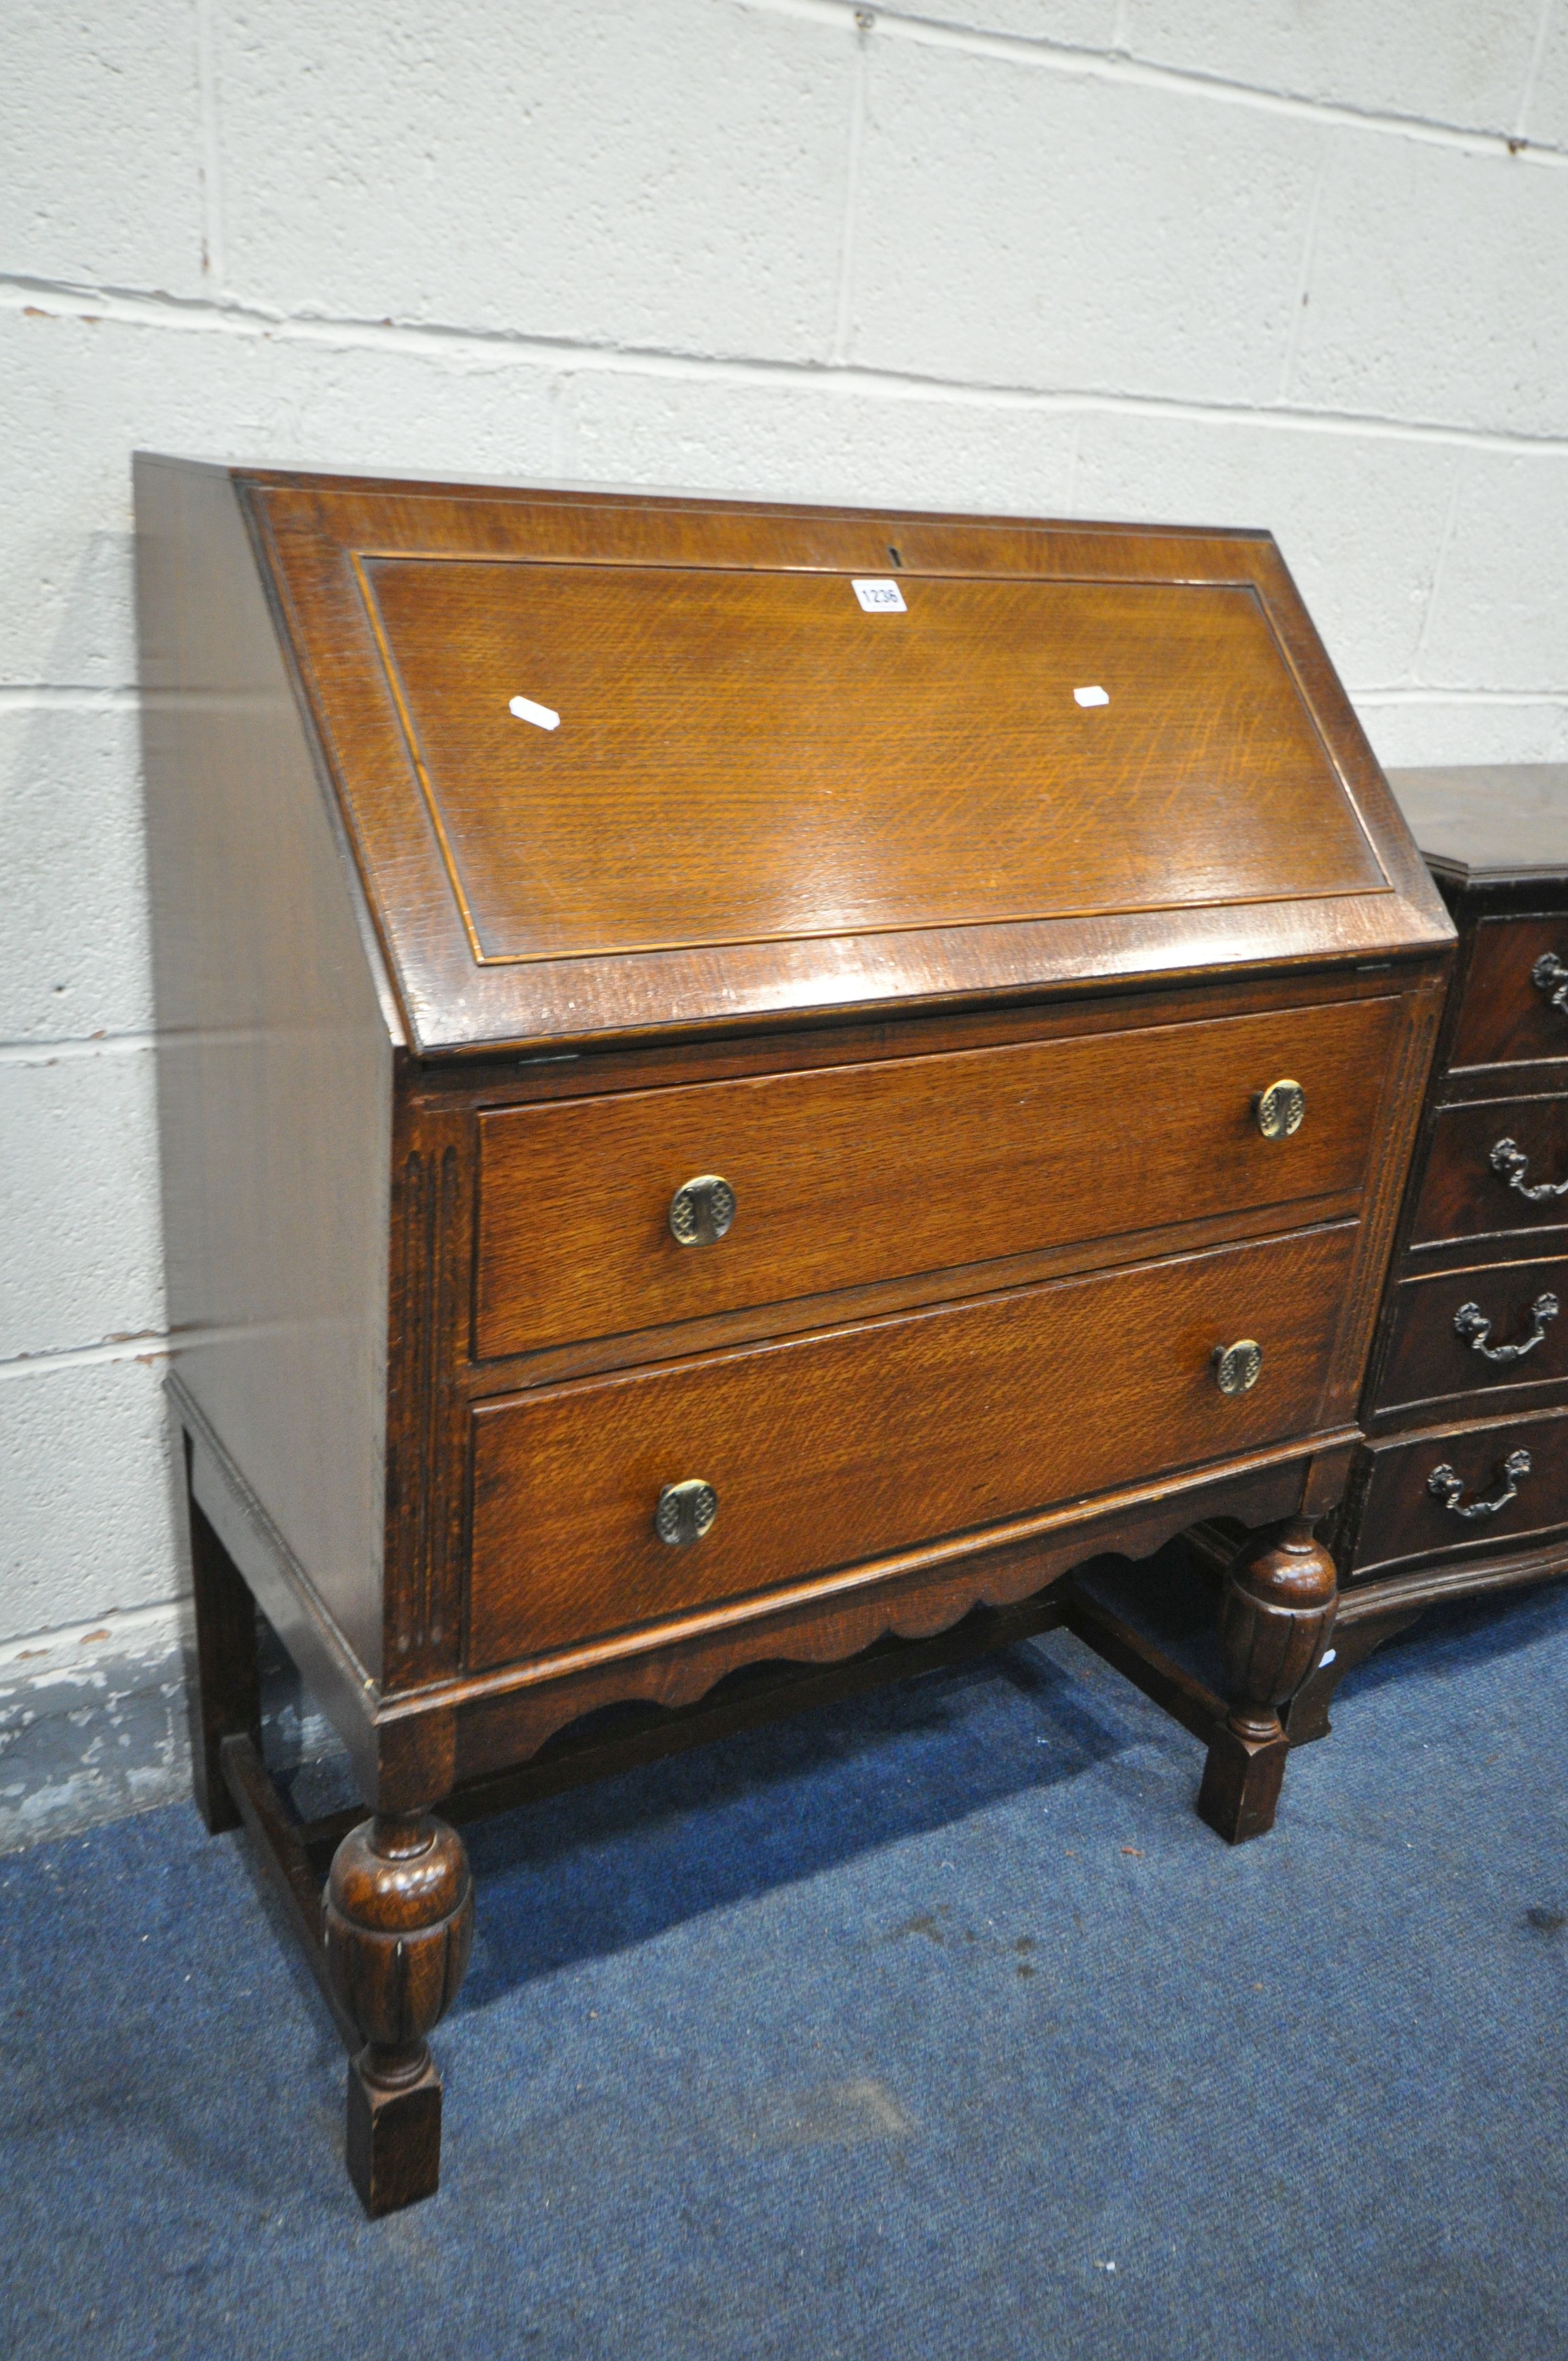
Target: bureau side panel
[275, 1060]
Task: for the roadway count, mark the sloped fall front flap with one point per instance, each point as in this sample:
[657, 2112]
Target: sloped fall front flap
[613, 765]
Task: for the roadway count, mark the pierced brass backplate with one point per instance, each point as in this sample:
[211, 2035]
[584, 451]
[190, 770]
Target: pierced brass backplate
[1238, 1366]
[701, 1210]
[1280, 1109]
[685, 1511]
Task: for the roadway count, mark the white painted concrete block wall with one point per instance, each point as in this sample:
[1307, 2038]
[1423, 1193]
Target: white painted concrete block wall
[1299, 263]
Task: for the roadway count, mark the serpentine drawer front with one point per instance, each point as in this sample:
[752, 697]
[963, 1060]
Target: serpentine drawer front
[1477, 1329]
[1495, 1165]
[1456, 1491]
[863, 1441]
[1515, 1005]
[873, 1172]
[747, 1088]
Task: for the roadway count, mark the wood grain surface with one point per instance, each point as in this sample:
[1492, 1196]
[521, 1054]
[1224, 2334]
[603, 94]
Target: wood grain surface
[1506, 1017]
[1491, 823]
[829, 1448]
[1401, 1519]
[1427, 1361]
[746, 755]
[1462, 1196]
[506, 1714]
[275, 1055]
[871, 1172]
[761, 801]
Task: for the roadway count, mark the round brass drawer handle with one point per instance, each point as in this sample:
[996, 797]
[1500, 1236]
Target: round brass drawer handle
[686, 1512]
[701, 1210]
[1279, 1111]
[1238, 1366]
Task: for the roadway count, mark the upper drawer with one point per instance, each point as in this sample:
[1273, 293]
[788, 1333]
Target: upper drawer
[1509, 1011]
[853, 1174]
[1490, 1162]
[826, 1450]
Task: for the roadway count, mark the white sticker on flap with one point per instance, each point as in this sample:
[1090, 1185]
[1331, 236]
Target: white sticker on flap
[880, 598]
[542, 716]
[1090, 696]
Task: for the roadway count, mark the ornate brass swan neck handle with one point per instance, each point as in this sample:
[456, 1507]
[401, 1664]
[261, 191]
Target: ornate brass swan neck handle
[1472, 1327]
[1509, 1159]
[1549, 975]
[1445, 1483]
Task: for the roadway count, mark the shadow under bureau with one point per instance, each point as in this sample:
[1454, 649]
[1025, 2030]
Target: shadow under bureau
[741, 1088]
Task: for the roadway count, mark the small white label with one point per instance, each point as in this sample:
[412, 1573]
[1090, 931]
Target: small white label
[1090, 696]
[541, 715]
[880, 598]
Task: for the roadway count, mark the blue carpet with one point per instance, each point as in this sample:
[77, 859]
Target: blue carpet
[931, 2025]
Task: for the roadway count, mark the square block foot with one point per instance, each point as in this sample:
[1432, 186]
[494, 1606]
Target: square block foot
[394, 2141]
[1242, 1779]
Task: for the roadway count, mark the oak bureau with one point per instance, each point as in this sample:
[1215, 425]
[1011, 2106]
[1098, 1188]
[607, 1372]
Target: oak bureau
[743, 1088]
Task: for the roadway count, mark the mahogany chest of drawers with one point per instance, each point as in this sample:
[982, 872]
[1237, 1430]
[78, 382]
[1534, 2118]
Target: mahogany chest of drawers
[744, 1087]
[1462, 1484]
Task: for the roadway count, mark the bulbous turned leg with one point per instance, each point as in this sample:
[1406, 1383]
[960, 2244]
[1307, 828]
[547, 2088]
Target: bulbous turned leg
[1274, 1621]
[397, 1926]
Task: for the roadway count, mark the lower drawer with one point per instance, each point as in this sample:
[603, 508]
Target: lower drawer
[1458, 1490]
[828, 1449]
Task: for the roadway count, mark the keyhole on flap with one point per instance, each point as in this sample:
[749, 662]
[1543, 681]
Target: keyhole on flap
[893, 555]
